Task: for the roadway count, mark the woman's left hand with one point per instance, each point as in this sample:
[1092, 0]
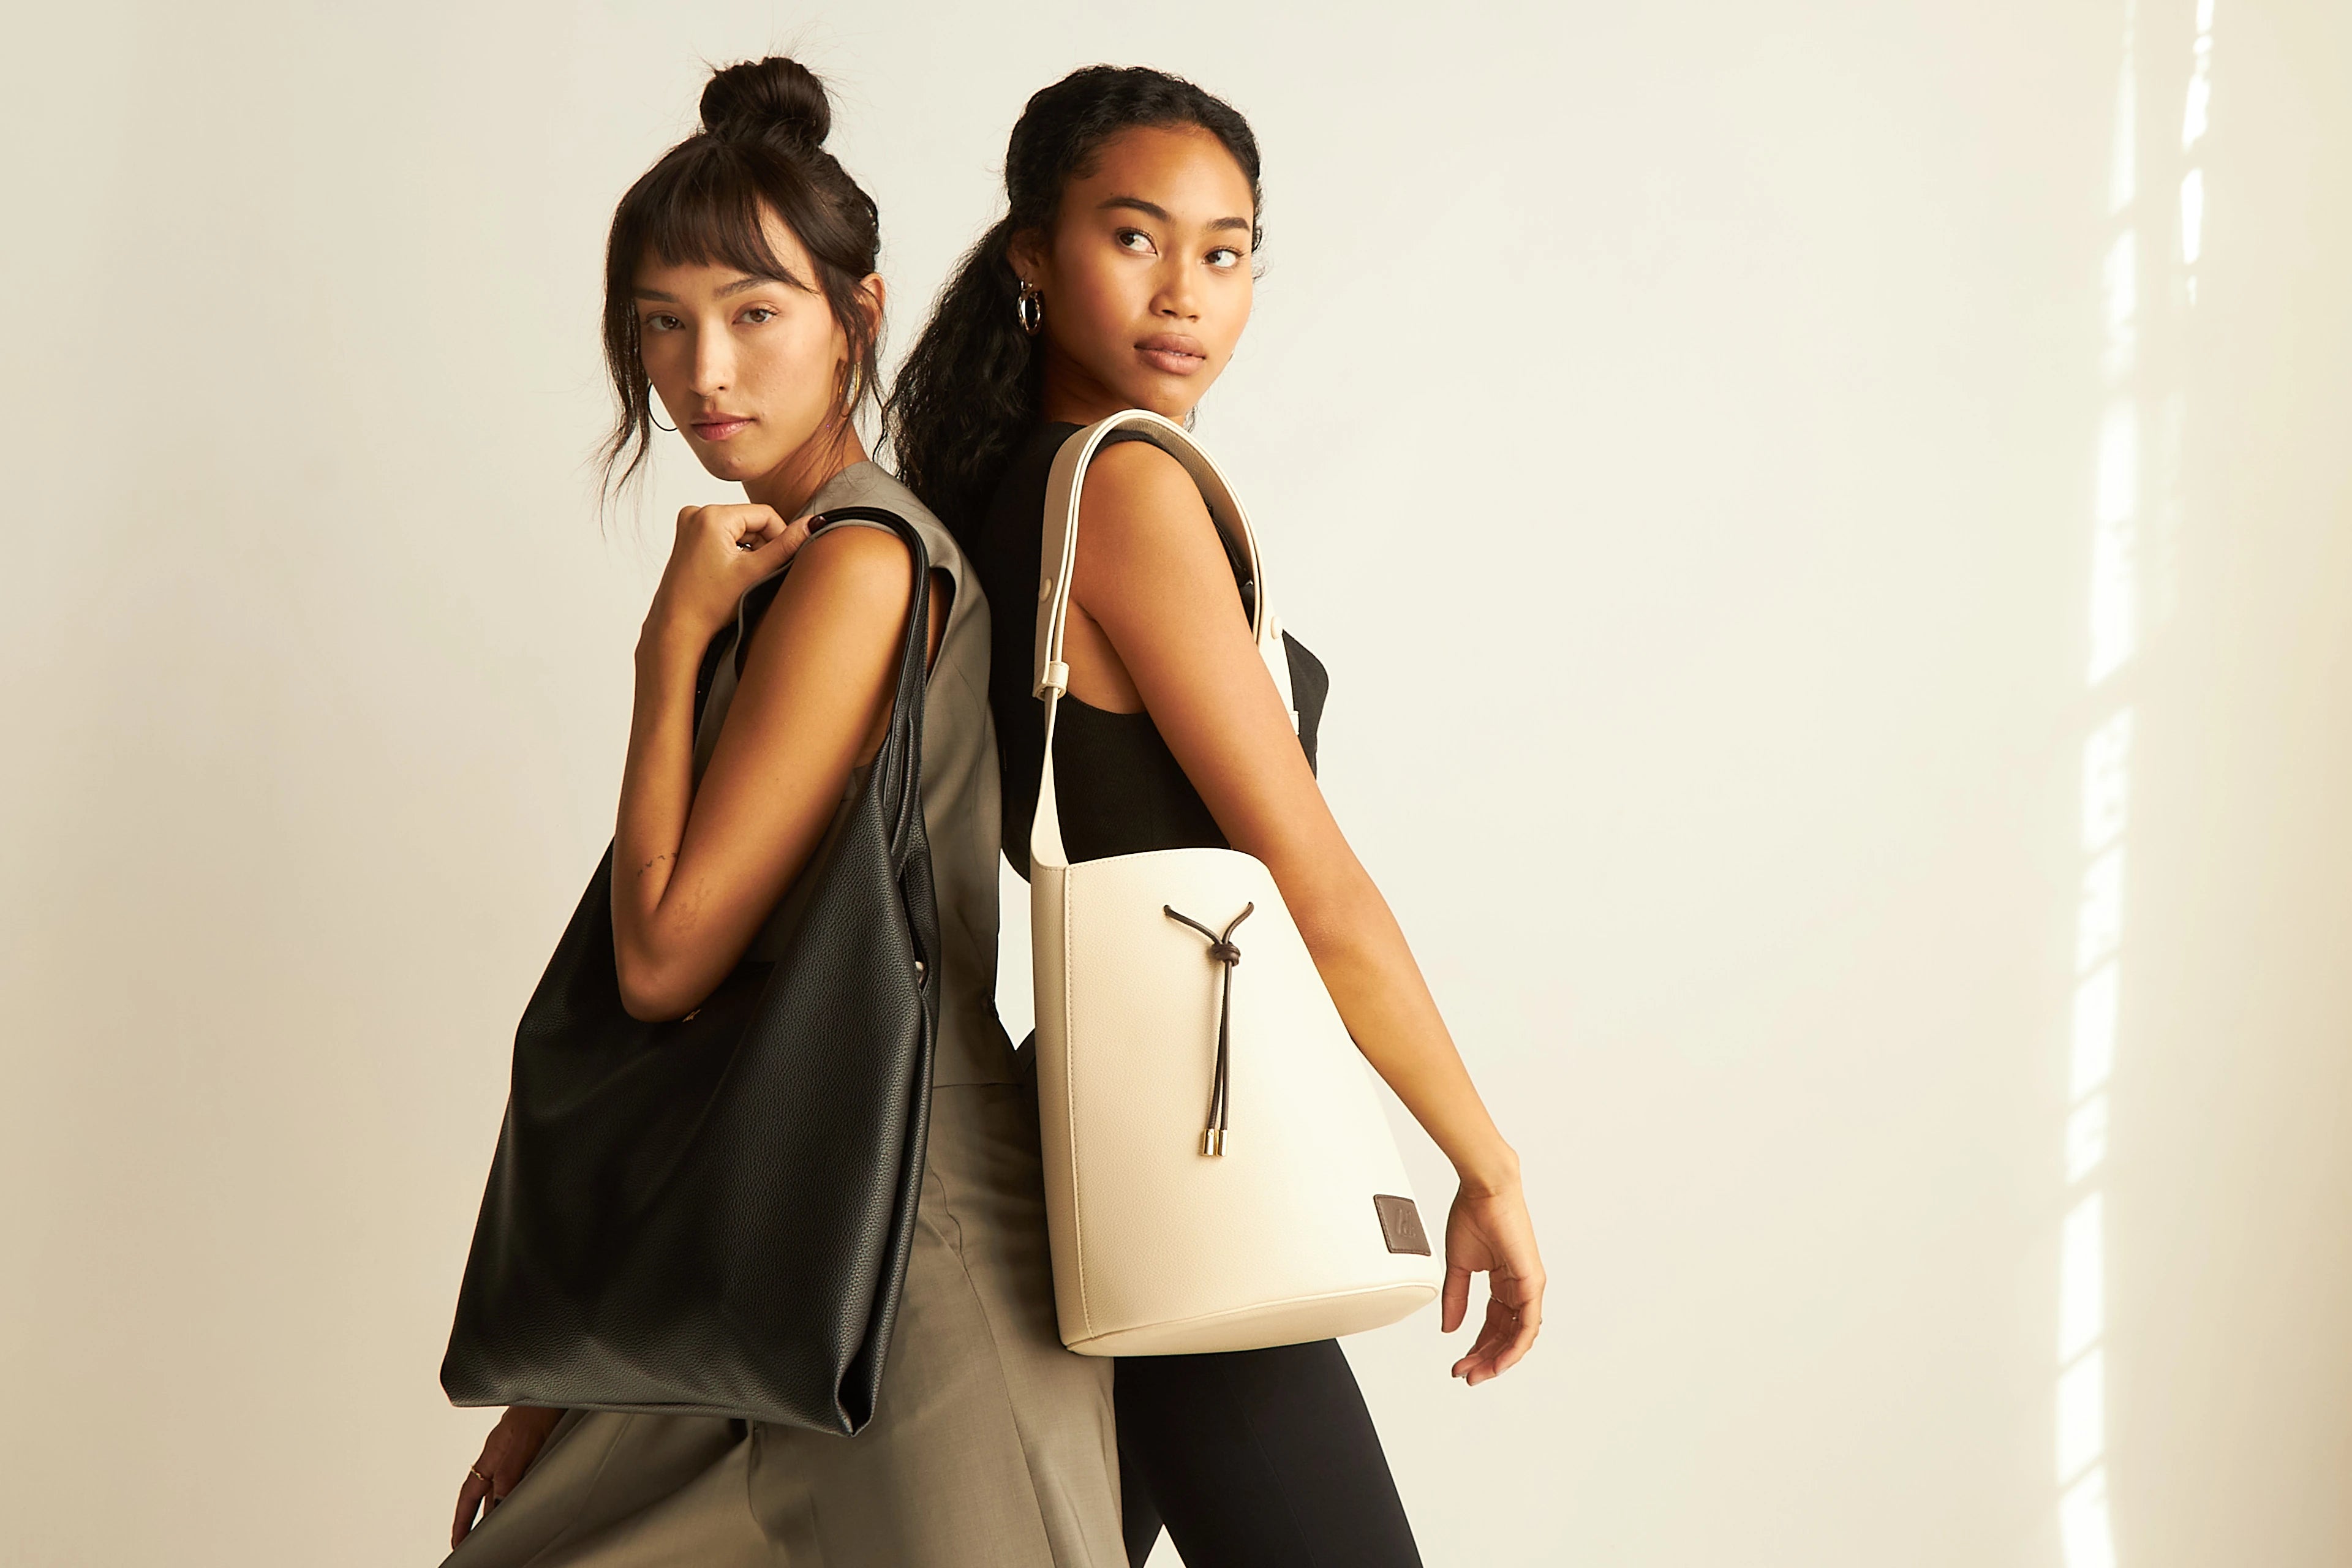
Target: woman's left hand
[1490, 1233]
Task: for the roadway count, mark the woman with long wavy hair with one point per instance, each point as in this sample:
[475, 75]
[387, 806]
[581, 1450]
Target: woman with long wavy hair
[741, 296]
[1121, 278]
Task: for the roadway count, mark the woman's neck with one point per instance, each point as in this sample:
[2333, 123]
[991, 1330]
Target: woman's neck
[1072, 396]
[787, 488]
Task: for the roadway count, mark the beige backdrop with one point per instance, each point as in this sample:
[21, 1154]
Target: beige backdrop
[1833, 529]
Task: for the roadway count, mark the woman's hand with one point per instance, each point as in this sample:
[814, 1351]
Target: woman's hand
[1489, 1233]
[720, 551]
[506, 1453]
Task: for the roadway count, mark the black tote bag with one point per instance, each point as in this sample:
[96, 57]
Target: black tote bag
[712, 1215]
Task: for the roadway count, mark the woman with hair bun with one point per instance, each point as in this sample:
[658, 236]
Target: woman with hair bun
[1121, 278]
[740, 292]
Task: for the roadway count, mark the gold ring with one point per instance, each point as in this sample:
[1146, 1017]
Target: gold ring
[477, 1475]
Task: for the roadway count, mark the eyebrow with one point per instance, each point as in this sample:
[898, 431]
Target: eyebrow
[787, 279]
[1154, 210]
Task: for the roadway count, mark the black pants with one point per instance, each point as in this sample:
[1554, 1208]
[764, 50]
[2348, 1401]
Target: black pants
[1256, 1458]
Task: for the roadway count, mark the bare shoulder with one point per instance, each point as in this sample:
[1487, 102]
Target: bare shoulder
[846, 589]
[862, 565]
[1138, 497]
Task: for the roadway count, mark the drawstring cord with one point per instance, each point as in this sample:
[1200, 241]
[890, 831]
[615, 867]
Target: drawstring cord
[1222, 949]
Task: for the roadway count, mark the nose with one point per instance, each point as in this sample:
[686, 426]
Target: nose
[1179, 299]
[714, 361]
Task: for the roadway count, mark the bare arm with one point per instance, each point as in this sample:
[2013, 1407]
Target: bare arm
[1156, 625]
[696, 871]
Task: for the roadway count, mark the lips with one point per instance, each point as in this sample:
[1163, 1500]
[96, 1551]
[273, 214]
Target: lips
[1173, 354]
[718, 426]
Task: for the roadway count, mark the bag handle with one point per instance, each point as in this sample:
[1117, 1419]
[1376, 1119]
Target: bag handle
[1059, 552]
[902, 746]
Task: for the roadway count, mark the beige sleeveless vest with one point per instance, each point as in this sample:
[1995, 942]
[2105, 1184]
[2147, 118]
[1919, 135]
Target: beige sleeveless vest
[959, 791]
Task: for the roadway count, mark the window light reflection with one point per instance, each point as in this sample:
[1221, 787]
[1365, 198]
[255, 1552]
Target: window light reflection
[2093, 1043]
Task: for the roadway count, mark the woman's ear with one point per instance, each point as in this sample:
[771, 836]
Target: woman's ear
[871, 294]
[1026, 254]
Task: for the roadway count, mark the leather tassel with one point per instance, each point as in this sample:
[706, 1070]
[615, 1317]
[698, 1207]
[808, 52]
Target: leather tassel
[1222, 949]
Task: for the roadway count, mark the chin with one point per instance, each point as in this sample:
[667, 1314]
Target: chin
[1169, 401]
[732, 466]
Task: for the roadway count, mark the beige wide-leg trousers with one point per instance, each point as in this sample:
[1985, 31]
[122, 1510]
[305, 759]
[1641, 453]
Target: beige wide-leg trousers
[990, 1444]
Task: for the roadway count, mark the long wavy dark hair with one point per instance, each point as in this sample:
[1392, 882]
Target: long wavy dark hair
[760, 148]
[970, 391]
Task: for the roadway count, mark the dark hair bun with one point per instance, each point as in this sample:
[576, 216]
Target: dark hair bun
[759, 98]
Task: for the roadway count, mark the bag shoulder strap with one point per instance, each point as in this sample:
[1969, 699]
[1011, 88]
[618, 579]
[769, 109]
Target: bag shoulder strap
[1059, 552]
[897, 766]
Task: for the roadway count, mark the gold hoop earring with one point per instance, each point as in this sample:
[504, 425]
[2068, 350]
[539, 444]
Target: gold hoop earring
[857, 385]
[1029, 308]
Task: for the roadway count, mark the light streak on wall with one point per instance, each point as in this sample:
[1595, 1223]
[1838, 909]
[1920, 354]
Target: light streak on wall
[2114, 634]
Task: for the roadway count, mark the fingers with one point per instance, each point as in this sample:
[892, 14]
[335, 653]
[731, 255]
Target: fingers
[1455, 1301]
[772, 546]
[1529, 1306]
[747, 525]
[1514, 1319]
[1517, 1338]
[469, 1501]
[743, 523]
[755, 525]
[761, 540]
[1476, 1365]
[1493, 1352]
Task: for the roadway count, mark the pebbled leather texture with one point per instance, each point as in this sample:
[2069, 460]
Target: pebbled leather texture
[1265, 1232]
[713, 1216]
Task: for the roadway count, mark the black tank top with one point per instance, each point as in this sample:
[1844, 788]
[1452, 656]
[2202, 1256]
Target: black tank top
[1122, 790]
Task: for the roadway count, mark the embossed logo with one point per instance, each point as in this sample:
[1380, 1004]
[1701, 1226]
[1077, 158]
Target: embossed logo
[1400, 1225]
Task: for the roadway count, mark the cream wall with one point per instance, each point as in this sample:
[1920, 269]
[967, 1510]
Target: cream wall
[1712, 443]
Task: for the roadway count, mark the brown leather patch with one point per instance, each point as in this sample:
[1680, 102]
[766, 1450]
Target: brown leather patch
[1400, 1225]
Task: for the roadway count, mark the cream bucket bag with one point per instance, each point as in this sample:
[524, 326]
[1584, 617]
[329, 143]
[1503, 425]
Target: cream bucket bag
[1219, 1173]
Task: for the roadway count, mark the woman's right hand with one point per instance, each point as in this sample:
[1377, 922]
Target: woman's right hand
[721, 552]
[506, 1453]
